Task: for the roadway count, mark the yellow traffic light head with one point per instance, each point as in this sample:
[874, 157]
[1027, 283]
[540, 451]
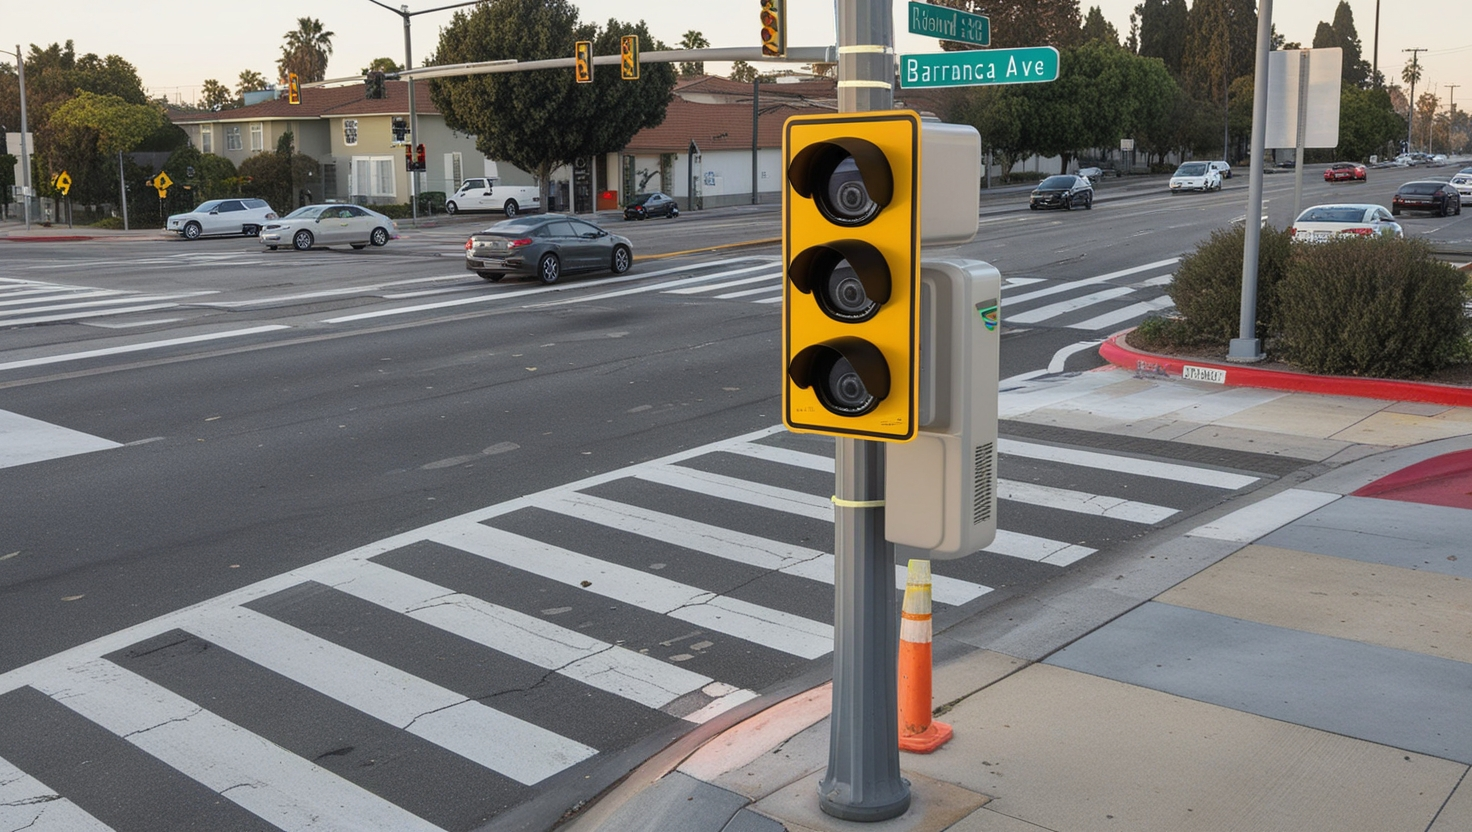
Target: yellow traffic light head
[851, 237]
[774, 29]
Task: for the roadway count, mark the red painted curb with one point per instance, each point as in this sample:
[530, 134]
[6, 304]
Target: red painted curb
[1237, 375]
[1444, 480]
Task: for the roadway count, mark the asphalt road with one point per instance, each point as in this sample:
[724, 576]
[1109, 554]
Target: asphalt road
[273, 411]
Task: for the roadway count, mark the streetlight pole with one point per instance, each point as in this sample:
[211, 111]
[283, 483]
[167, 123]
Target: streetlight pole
[25, 156]
[1411, 104]
[403, 11]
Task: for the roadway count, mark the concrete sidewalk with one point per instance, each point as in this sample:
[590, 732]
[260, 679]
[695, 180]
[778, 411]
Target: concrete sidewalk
[1298, 659]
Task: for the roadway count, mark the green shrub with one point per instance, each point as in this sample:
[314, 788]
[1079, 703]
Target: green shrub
[1379, 307]
[432, 202]
[1207, 289]
[393, 210]
[108, 222]
[1158, 334]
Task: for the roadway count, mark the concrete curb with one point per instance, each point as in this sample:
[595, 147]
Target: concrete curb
[1117, 353]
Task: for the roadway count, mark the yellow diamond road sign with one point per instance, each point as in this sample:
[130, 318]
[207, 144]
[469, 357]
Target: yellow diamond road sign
[162, 181]
[63, 183]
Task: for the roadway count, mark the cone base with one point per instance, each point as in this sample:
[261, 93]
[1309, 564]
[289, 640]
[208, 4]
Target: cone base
[926, 741]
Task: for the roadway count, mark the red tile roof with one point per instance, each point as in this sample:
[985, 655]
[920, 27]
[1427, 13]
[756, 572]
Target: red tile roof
[320, 102]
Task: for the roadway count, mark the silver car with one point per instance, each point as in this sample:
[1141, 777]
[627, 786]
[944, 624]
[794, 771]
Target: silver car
[546, 246]
[328, 225]
[222, 216]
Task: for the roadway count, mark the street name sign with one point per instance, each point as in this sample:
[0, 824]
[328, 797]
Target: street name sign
[1025, 65]
[951, 24]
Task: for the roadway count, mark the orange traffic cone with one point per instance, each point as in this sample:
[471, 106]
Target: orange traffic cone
[918, 732]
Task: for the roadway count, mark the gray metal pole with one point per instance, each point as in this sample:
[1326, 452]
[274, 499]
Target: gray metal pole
[756, 84]
[25, 156]
[413, 122]
[862, 782]
[1303, 59]
[1247, 347]
[122, 190]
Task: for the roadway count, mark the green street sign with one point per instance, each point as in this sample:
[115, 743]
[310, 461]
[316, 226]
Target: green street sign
[1027, 65]
[951, 24]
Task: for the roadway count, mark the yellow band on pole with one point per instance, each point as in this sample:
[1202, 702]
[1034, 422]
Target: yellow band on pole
[839, 501]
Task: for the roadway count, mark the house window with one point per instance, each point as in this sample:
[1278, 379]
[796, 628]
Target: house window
[232, 137]
[329, 181]
[373, 176]
[206, 138]
[349, 131]
[257, 137]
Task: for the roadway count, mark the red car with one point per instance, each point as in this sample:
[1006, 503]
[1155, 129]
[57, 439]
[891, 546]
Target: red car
[1345, 172]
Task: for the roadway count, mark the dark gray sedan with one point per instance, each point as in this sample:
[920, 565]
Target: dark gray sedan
[545, 246]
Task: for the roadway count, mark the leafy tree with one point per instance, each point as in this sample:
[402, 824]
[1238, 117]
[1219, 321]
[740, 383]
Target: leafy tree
[1221, 46]
[1356, 68]
[1411, 74]
[543, 119]
[743, 72]
[1023, 23]
[1097, 28]
[693, 40]
[1368, 123]
[249, 81]
[997, 113]
[306, 51]
[281, 177]
[1163, 31]
[85, 135]
[211, 173]
[214, 95]
[382, 65]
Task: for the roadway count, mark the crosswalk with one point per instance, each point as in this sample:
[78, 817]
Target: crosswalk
[507, 649]
[1100, 303]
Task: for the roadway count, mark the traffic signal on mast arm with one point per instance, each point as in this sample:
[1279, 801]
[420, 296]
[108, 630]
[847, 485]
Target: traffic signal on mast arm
[293, 89]
[583, 61]
[851, 213]
[774, 29]
[409, 158]
[419, 158]
[628, 49]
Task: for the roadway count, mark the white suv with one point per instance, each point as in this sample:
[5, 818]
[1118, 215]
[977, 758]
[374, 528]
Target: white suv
[1195, 176]
[1222, 168]
[222, 216]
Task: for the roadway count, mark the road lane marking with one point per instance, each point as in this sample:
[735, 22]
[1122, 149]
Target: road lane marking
[151, 345]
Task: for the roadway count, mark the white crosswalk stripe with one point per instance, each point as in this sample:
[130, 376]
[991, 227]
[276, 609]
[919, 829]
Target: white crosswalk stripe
[240, 761]
[30, 302]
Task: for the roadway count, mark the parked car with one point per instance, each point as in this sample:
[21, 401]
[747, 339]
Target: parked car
[1345, 172]
[1463, 183]
[1062, 191]
[546, 246]
[1195, 176]
[1325, 222]
[1222, 168]
[488, 194]
[1093, 174]
[644, 206]
[1441, 198]
[329, 225]
[222, 216]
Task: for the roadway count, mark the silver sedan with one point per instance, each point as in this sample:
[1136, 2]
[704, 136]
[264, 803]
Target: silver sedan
[327, 225]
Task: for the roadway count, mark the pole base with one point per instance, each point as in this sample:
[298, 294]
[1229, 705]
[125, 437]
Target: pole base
[885, 801]
[926, 741]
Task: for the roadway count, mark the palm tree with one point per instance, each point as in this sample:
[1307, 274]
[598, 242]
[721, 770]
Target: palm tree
[693, 40]
[214, 95]
[306, 51]
[249, 81]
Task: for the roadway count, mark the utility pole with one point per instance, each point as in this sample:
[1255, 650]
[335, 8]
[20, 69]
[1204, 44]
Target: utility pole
[25, 156]
[1375, 67]
[863, 780]
[1411, 105]
[403, 11]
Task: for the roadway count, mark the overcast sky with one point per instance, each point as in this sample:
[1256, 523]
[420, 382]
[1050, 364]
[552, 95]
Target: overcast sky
[176, 49]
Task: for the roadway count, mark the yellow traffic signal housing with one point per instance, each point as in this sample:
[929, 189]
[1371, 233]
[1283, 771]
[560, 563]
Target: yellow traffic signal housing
[628, 48]
[583, 61]
[293, 89]
[851, 212]
[774, 29]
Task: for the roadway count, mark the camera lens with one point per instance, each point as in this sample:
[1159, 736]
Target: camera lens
[843, 392]
[843, 298]
[844, 200]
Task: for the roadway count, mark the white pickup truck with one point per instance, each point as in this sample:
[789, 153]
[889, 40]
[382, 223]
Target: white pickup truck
[488, 194]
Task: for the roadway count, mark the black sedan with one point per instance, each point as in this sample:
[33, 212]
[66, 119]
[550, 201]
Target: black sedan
[545, 246]
[656, 204]
[1062, 192]
[1440, 198]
